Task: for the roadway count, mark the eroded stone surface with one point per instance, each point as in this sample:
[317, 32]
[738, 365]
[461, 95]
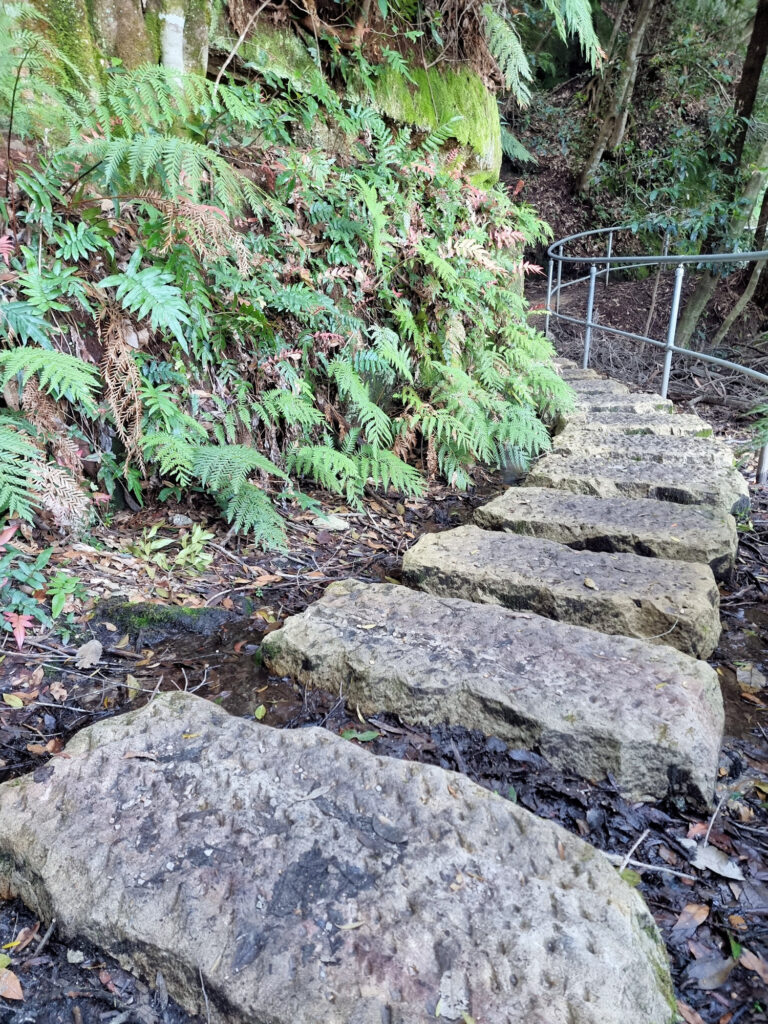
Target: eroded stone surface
[660, 423]
[598, 386]
[635, 404]
[684, 482]
[586, 441]
[305, 880]
[654, 599]
[650, 716]
[662, 529]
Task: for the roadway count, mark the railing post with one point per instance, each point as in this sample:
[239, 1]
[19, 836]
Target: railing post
[672, 328]
[590, 308]
[608, 255]
[559, 278]
[761, 477]
[549, 297]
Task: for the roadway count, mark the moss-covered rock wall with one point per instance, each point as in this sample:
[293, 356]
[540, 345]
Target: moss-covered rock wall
[436, 97]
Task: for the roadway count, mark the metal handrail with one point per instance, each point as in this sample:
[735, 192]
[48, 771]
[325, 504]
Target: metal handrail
[559, 258]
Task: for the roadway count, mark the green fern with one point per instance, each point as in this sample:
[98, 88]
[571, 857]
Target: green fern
[21, 320]
[507, 49]
[250, 509]
[18, 458]
[61, 375]
[151, 292]
[227, 467]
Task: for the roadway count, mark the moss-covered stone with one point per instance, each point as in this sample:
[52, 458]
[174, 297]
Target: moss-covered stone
[436, 97]
[159, 622]
[279, 50]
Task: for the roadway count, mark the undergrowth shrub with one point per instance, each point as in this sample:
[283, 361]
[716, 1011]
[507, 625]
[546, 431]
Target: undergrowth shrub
[200, 296]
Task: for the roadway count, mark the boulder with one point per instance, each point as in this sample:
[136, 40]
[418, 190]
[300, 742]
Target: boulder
[649, 716]
[660, 529]
[654, 599]
[291, 877]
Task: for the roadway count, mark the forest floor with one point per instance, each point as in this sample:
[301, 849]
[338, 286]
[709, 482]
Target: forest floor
[713, 913]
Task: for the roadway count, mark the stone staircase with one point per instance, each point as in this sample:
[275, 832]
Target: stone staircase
[602, 572]
[292, 876]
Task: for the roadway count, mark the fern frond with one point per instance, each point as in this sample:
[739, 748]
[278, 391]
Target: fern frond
[61, 375]
[151, 292]
[250, 509]
[507, 49]
[227, 466]
[18, 459]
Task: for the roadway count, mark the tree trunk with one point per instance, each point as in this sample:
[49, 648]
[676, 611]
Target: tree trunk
[705, 289]
[746, 92]
[754, 277]
[622, 95]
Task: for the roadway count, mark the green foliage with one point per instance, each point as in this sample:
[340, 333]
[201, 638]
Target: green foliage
[17, 456]
[372, 337]
[20, 578]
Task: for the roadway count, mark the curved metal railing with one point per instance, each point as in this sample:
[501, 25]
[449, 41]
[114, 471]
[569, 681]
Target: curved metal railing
[601, 266]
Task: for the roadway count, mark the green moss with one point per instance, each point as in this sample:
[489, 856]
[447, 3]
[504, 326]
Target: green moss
[279, 51]
[152, 23]
[436, 97]
[69, 28]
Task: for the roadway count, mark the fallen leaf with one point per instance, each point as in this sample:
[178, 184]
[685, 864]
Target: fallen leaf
[710, 973]
[57, 691]
[711, 859]
[754, 962]
[122, 642]
[689, 1015]
[106, 980]
[692, 916]
[13, 701]
[260, 712]
[133, 686]
[590, 583]
[110, 626]
[262, 581]
[23, 939]
[145, 755]
[89, 654]
[737, 922]
[10, 987]
[19, 626]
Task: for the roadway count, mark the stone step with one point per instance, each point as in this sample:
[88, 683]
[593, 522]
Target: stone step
[649, 716]
[587, 441]
[589, 386]
[610, 401]
[573, 373]
[661, 424]
[653, 599]
[290, 876]
[686, 483]
[643, 526]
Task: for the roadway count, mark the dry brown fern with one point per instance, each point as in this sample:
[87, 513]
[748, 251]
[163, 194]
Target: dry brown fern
[59, 493]
[122, 379]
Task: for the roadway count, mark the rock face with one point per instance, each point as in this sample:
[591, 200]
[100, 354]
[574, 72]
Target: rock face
[675, 603]
[305, 880]
[686, 483]
[661, 529]
[595, 704]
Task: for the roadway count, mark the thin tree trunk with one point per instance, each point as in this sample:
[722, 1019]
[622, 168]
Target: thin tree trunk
[622, 95]
[705, 289]
[754, 277]
[746, 92]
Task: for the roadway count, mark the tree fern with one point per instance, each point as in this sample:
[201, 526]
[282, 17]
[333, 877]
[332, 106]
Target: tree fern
[61, 375]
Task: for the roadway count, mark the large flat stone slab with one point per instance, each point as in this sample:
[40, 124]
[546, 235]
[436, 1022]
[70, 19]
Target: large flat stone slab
[301, 880]
[654, 599]
[609, 401]
[661, 423]
[683, 482]
[649, 716]
[586, 441]
[643, 526]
